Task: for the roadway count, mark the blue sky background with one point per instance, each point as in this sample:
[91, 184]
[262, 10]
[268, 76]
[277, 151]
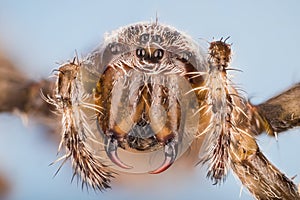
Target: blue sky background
[38, 34]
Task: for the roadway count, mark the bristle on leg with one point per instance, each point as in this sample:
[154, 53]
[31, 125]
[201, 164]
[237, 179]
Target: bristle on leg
[68, 100]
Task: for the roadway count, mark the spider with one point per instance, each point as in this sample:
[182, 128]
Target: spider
[147, 93]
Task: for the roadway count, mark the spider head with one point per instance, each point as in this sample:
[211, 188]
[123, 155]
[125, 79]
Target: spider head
[146, 73]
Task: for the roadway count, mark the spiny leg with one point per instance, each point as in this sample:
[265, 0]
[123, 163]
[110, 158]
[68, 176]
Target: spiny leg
[219, 108]
[254, 170]
[256, 173]
[281, 112]
[67, 99]
[261, 178]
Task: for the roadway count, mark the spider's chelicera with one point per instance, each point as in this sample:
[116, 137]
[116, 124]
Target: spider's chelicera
[148, 92]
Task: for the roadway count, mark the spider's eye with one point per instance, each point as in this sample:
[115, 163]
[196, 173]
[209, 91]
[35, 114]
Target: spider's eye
[115, 48]
[144, 38]
[185, 56]
[158, 54]
[140, 52]
[157, 39]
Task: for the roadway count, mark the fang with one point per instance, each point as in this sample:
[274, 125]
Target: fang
[111, 146]
[171, 150]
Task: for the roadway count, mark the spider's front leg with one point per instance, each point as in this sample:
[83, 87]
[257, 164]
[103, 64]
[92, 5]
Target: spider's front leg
[68, 98]
[230, 137]
[220, 109]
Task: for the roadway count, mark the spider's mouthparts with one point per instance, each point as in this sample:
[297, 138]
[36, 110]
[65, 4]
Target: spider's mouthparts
[171, 150]
[111, 146]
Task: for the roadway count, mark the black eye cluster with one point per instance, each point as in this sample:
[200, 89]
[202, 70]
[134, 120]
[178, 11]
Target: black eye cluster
[146, 37]
[154, 57]
[151, 55]
[116, 48]
[140, 52]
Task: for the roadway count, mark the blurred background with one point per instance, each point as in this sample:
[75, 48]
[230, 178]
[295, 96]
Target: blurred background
[36, 35]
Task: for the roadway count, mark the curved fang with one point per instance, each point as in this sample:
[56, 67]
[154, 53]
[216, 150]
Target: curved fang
[171, 150]
[111, 146]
